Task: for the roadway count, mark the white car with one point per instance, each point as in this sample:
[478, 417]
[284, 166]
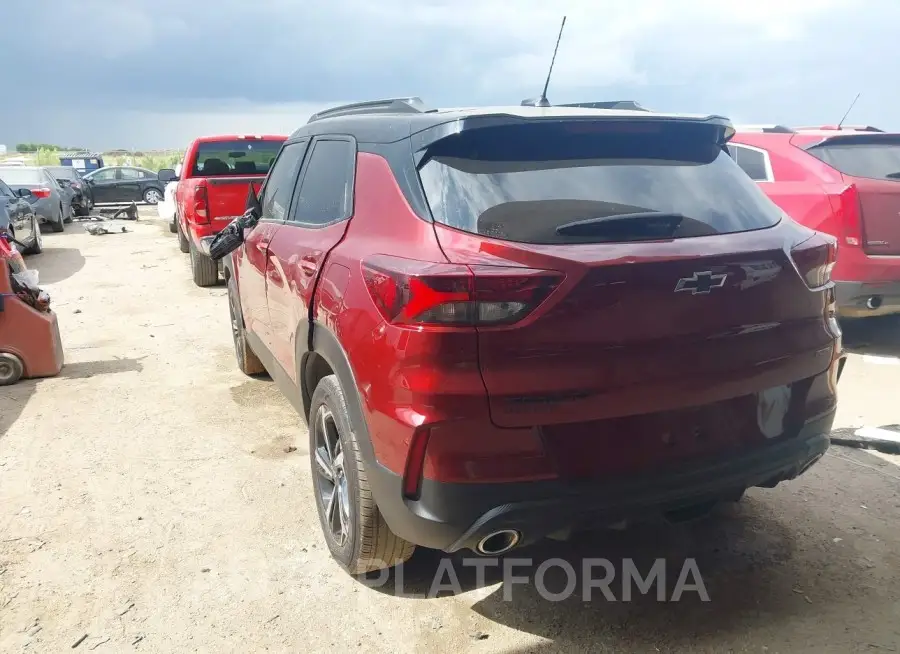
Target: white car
[166, 208]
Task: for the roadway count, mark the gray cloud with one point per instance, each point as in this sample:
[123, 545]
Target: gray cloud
[152, 73]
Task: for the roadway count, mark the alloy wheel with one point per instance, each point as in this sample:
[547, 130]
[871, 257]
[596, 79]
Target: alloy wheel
[152, 196]
[331, 478]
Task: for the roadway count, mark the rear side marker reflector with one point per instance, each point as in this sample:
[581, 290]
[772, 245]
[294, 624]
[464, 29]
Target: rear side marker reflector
[409, 292]
[415, 464]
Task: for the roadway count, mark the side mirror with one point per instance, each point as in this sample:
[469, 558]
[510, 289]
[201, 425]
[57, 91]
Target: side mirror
[167, 175]
[23, 192]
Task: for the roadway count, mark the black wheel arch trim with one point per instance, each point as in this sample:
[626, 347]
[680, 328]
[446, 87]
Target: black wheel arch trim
[324, 343]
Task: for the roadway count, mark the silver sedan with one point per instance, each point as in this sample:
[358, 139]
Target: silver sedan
[51, 205]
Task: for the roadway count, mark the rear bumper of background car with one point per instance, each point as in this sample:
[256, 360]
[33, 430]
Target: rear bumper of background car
[866, 299]
[454, 516]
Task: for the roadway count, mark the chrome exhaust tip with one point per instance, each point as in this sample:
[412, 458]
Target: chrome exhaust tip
[873, 302]
[498, 542]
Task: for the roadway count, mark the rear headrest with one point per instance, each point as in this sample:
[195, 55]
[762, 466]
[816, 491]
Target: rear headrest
[215, 166]
[245, 167]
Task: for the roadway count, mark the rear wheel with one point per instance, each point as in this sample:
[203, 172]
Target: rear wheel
[173, 226]
[37, 242]
[11, 369]
[356, 533]
[183, 243]
[58, 224]
[152, 196]
[247, 361]
[204, 269]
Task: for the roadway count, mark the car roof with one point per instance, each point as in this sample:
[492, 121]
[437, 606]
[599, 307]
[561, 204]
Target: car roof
[238, 137]
[387, 121]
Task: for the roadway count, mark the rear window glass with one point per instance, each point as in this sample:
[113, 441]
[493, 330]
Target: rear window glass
[522, 182]
[874, 160]
[63, 172]
[239, 157]
[23, 176]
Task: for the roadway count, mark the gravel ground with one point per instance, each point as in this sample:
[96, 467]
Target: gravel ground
[151, 500]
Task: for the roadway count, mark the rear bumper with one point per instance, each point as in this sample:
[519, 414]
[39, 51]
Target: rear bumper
[858, 299]
[451, 517]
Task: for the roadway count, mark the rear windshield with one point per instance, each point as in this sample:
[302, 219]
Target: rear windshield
[23, 176]
[63, 172]
[862, 159]
[239, 157]
[521, 182]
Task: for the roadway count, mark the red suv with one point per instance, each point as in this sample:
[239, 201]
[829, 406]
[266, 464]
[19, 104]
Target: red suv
[502, 324]
[845, 182]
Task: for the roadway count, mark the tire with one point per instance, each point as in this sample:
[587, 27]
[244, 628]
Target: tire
[59, 224]
[204, 269]
[38, 245]
[83, 210]
[361, 541]
[69, 215]
[153, 196]
[11, 369]
[173, 226]
[247, 361]
[183, 244]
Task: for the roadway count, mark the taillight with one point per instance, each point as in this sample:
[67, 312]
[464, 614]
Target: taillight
[815, 259]
[40, 192]
[409, 292]
[850, 216]
[201, 203]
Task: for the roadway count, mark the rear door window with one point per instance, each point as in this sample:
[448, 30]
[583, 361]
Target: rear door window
[752, 161]
[325, 195]
[875, 156]
[631, 181]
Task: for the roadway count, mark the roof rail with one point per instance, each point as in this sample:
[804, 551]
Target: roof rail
[411, 105]
[839, 128]
[626, 105]
[765, 129]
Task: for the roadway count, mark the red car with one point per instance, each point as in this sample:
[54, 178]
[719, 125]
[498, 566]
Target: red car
[845, 182]
[505, 323]
[216, 177]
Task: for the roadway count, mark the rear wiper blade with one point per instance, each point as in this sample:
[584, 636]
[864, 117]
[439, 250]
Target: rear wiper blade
[651, 218]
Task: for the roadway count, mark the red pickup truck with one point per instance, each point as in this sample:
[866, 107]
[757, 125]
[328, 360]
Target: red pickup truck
[216, 176]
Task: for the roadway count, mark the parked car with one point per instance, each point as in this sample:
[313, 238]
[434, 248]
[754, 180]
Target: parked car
[845, 182]
[118, 184]
[17, 218]
[503, 324]
[44, 193]
[82, 198]
[216, 177]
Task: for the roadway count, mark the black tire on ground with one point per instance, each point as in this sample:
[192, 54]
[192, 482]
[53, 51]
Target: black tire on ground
[37, 246]
[82, 210]
[370, 544]
[248, 362]
[173, 226]
[152, 196]
[59, 224]
[204, 269]
[183, 244]
[11, 369]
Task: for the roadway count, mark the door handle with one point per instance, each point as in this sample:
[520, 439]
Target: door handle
[309, 266]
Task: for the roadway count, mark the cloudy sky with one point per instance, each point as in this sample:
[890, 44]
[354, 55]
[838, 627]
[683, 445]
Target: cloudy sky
[155, 73]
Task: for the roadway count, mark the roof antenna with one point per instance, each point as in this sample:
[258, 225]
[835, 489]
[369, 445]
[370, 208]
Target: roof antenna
[849, 109]
[543, 101]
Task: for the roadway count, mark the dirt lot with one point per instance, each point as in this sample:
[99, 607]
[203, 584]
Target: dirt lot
[150, 499]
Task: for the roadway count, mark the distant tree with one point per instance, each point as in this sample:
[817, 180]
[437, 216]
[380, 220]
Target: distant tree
[34, 147]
